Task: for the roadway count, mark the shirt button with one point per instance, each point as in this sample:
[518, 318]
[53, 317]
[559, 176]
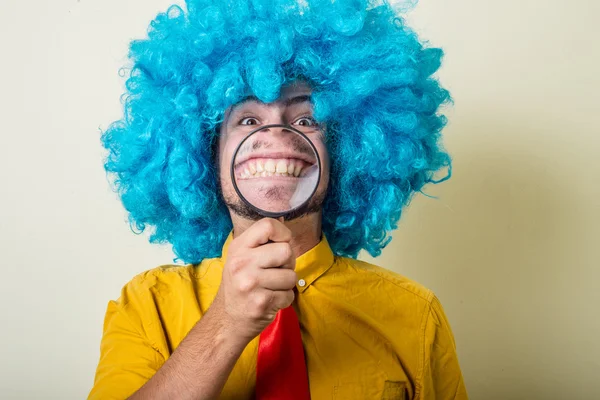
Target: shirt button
[302, 283]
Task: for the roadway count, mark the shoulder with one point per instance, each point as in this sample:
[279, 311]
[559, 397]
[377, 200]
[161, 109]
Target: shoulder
[158, 278]
[160, 282]
[397, 283]
[401, 290]
[397, 301]
[399, 298]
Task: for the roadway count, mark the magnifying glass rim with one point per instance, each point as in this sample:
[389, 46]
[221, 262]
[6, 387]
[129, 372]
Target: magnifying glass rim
[264, 213]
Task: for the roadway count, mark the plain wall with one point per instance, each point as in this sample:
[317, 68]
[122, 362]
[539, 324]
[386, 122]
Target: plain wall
[510, 245]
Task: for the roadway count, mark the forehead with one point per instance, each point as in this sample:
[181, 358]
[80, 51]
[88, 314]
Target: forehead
[299, 91]
[295, 89]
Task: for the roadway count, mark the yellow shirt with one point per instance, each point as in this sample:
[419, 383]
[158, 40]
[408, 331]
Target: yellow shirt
[368, 333]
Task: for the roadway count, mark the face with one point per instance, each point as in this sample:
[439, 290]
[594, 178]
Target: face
[273, 167]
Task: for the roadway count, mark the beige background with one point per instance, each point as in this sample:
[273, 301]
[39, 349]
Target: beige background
[510, 246]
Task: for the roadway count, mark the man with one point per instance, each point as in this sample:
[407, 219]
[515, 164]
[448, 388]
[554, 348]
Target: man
[201, 82]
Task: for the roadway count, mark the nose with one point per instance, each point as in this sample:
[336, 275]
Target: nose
[277, 128]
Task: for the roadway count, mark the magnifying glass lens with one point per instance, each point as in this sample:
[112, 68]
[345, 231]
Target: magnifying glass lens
[276, 169]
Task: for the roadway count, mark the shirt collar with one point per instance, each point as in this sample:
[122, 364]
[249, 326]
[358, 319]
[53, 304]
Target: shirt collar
[309, 266]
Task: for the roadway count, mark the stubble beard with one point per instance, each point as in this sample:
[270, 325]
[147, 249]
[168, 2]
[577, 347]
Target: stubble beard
[243, 210]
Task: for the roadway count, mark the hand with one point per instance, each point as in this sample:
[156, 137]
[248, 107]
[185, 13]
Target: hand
[258, 278]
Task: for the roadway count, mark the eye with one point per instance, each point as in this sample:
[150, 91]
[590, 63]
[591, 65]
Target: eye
[249, 121]
[306, 121]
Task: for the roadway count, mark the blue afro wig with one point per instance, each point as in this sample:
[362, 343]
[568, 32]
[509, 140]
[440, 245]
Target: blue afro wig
[372, 87]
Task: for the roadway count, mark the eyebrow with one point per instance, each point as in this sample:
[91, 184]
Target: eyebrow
[297, 99]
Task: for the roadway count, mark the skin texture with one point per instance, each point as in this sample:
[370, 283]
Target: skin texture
[247, 116]
[258, 276]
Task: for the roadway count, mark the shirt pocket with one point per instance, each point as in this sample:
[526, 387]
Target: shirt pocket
[394, 391]
[387, 390]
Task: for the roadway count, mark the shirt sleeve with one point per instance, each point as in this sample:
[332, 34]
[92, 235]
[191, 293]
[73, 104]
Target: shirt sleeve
[441, 377]
[127, 359]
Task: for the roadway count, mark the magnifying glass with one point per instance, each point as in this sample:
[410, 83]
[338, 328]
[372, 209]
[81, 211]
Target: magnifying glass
[276, 169]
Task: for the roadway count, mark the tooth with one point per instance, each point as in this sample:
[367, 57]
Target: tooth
[246, 172]
[260, 166]
[252, 167]
[284, 174]
[281, 166]
[297, 169]
[270, 166]
[264, 173]
[290, 168]
[269, 173]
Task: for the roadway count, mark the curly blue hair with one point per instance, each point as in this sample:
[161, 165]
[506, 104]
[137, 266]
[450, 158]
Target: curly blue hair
[372, 87]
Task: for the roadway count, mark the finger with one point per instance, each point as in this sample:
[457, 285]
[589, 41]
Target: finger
[282, 299]
[273, 255]
[265, 230]
[277, 279]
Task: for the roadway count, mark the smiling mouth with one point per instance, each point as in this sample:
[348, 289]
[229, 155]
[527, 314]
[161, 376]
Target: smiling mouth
[256, 168]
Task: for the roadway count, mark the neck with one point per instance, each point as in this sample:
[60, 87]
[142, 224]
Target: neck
[306, 231]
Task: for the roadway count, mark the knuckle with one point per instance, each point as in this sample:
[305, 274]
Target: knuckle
[262, 301]
[236, 264]
[284, 299]
[247, 284]
[255, 314]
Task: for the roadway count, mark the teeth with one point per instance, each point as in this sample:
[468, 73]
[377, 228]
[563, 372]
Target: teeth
[281, 166]
[270, 166]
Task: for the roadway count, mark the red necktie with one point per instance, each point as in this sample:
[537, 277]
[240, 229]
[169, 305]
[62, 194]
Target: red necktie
[280, 367]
